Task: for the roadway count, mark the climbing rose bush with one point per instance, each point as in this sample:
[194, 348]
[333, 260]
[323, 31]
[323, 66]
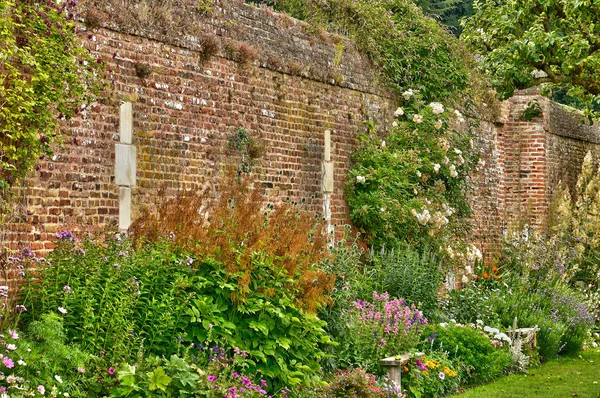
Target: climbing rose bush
[410, 187]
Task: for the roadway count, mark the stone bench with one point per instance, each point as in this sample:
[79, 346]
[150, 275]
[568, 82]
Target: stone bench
[394, 365]
[528, 336]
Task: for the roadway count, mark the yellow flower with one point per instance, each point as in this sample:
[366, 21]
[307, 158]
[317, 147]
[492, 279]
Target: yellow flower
[449, 372]
[426, 373]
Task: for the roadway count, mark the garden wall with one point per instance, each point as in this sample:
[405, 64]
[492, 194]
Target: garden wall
[201, 77]
[237, 67]
[535, 156]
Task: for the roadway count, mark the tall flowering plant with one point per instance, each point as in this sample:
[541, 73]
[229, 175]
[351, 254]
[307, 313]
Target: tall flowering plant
[383, 328]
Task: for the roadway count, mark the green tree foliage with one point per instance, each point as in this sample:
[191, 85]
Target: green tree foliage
[438, 7]
[412, 50]
[46, 76]
[527, 43]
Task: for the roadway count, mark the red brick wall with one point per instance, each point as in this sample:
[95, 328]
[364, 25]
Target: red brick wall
[528, 160]
[186, 110]
[292, 85]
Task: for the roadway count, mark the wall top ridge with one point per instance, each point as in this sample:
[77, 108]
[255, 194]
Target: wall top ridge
[268, 39]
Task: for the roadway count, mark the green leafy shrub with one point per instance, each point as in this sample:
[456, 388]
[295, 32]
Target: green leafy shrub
[433, 375]
[479, 358]
[415, 277]
[201, 372]
[119, 302]
[114, 296]
[412, 50]
[43, 80]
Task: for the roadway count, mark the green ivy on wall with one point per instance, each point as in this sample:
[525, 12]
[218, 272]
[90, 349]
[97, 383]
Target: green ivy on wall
[47, 77]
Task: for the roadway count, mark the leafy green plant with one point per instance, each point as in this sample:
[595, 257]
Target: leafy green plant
[119, 302]
[415, 277]
[410, 189]
[532, 110]
[479, 358]
[248, 148]
[282, 341]
[201, 372]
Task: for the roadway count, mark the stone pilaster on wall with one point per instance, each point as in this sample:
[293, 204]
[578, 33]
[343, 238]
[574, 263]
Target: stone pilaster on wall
[328, 181]
[125, 164]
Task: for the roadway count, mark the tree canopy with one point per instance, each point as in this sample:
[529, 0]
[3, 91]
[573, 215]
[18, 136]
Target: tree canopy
[526, 43]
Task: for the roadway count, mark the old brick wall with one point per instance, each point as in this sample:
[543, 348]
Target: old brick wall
[534, 157]
[269, 74]
[484, 197]
[247, 67]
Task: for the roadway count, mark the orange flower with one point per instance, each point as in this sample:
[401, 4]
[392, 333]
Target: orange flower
[405, 369]
[485, 275]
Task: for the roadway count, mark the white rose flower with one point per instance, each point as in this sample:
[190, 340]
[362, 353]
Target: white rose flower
[419, 174]
[453, 172]
[418, 119]
[459, 115]
[438, 125]
[399, 112]
[360, 179]
[436, 167]
[394, 124]
[407, 94]
[437, 108]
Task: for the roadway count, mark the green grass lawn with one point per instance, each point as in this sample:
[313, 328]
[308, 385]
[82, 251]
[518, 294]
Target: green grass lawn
[576, 376]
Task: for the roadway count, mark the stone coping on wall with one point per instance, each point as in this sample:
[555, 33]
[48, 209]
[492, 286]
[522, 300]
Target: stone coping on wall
[273, 40]
[569, 122]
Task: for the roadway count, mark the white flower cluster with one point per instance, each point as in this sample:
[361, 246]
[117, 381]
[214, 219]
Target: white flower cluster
[473, 253]
[453, 172]
[423, 217]
[360, 179]
[437, 108]
[459, 116]
[407, 94]
[399, 112]
[438, 219]
[418, 118]
[502, 337]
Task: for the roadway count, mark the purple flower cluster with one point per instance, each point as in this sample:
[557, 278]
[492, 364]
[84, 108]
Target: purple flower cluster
[66, 235]
[246, 386]
[390, 325]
